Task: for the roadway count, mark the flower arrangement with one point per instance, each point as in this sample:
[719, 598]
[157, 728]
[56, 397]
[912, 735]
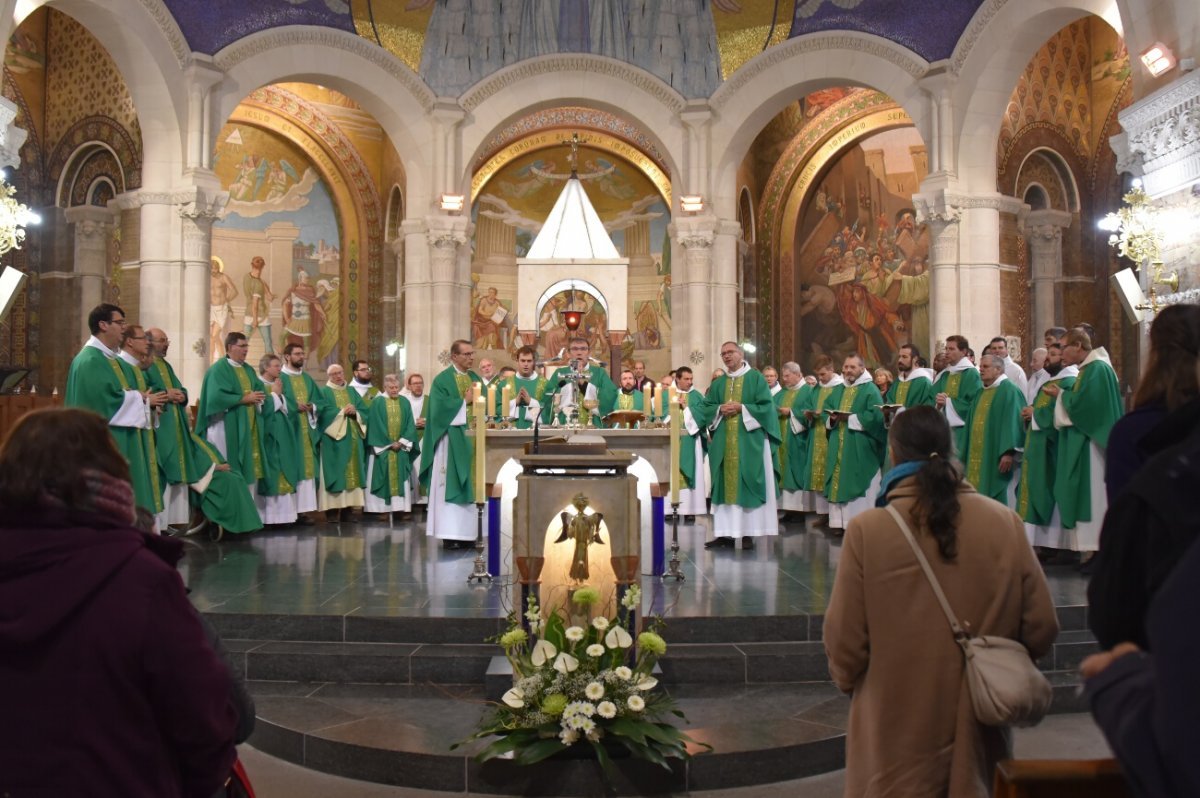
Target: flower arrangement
[583, 685]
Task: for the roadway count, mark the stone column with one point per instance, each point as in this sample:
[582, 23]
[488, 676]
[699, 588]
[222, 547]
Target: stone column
[417, 298]
[92, 226]
[447, 321]
[695, 236]
[726, 290]
[942, 218]
[189, 353]
[1043, 230]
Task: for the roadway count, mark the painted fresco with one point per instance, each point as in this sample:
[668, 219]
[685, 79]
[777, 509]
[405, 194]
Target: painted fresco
[863, 279]
[282, 211]
[509, 213]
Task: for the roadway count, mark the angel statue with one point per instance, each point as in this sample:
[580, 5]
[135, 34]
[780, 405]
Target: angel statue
[584, 530]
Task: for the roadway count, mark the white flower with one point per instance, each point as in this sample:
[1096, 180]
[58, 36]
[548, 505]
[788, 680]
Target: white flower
[594, 691]
[568, 736]
[623, 673]
[606, 709]
[636, 703]
[543, 651]
[600, 623]
[647, 683]
[587, 708]
[587, 725]
[565, 663]
[574, 633]
[573, 708]
[515, 698]
[617, 637]
[574, 722]
[595, 650]
[632, 598]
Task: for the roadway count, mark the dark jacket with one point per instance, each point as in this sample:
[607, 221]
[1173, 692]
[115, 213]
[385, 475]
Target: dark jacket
[1147, 705]
[107, 683]
[1125, 455]
[1147, 529]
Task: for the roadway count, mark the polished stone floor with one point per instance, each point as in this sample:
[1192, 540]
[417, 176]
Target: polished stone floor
[371, 569]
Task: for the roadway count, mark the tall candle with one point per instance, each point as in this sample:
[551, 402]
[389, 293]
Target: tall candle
[676, 419]
[647, 407]
[659, 396]
[491, 408]
[480, 451]
[506, 398]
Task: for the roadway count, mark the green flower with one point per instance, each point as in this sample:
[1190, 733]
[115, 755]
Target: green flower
[652, 643]
[513, 638]
[554, 704]
[586, 596]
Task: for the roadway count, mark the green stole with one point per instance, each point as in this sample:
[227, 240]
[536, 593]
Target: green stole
[281, 461]
[173, 438]
[733, 445]
[301, 390]
[387, 422]
[148, 444]
[1035, 501]
[911, 393]
[342, 461]
[446, 395]
[818, 436]
[961, 387]
[855, 457]
[1093, 404]
[536, 388]
[785, 398]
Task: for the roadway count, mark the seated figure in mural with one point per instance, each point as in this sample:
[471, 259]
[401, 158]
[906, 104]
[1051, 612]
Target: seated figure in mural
[485, 330]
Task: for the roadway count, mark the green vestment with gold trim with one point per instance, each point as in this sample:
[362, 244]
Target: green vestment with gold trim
[174, 434]
[823, 397]
[735, 455]
[994, 428]
[536, 388]
[225, 500]
[854, 456]
[687, 443]
[1035, 499]
[221, 397]
[449, 390]
[962, 387]
[281, 472]
[1093, 404]
[793, 447]
[344, 460]
[302, 389]
[606, 394]
[389, 420]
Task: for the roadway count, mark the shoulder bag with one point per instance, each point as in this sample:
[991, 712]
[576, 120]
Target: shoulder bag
[1006, 687]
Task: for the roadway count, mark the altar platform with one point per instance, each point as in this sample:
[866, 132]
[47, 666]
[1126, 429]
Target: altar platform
[364, 647]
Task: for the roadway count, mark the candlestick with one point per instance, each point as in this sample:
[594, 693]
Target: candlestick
[659, 396]
[491, 395]
[676, 418]
[506, 399]
[480, 450]
[647, 399]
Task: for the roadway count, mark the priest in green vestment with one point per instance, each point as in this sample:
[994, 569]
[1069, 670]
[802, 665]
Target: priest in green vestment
[693, 490]
[854, 464]
[276, 499]
[415, 386]
[628, 396]
[914, 386]
[793, 449]
[135, 360]
[740, 413]
[391, 436]
[1084, 416]
[527, 389]
[303, 394]
[1035, 499]
[229, 413]
[343, 424]
[955, 389]
[599, 388]
[361, 382]
[98, 381]
[220, 492]
[446, 452]
[995, 433]
[173, 436]
[827, 394]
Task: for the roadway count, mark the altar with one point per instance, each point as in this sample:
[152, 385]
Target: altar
[651, 466]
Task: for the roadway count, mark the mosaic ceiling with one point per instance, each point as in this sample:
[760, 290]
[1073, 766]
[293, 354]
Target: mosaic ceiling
[691, 44]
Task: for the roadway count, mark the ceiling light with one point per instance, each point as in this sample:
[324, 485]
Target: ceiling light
[1158, 59]
[452, 202]
[692, 203]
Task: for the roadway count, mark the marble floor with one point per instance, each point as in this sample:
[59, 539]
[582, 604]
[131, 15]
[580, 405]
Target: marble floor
[373, 569]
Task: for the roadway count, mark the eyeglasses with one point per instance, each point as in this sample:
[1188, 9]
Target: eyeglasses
[121, 322]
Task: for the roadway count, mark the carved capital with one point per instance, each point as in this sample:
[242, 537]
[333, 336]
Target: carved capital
[1161, 138]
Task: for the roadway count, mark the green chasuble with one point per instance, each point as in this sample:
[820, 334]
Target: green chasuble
[735, 455]
[1035, 501]
[912, 392]
[962, 387]
[994, 428]
[823, 397]
[634, 400]
[281, 470]
[536, 388]
[225, 500]
[793, 447]
[369, 396]
[174, 434]
[389, 420]
[855, 457]
[343, 459]
[224, 386]
[302, 389]
[446, 395]
[606, 394]
[687, 446]
[1093, 404]
[137, 379]
[98, 383]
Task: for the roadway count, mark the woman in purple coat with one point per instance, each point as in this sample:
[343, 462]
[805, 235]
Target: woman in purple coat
[108, 684]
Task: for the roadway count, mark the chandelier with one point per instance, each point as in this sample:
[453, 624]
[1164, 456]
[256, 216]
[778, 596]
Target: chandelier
[14, 217]
[1136, 233]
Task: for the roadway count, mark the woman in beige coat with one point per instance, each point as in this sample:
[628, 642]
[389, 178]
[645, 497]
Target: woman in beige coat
[912, 731]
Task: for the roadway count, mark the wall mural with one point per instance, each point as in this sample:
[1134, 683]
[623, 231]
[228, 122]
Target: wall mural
[508, 214]
[863, 277]
[276, 273]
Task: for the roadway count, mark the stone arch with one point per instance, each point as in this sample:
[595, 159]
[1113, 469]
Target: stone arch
[100, 134]
[745, 215]
[576, 79]
[395, 213]
[759, 90]
[1066, 184]
[382, 84]
[990, 57]
[150, 52]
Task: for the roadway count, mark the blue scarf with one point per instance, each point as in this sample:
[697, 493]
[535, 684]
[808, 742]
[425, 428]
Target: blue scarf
[895, 475]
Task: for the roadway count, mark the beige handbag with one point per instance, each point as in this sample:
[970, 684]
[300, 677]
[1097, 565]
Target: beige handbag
[1006, 687]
